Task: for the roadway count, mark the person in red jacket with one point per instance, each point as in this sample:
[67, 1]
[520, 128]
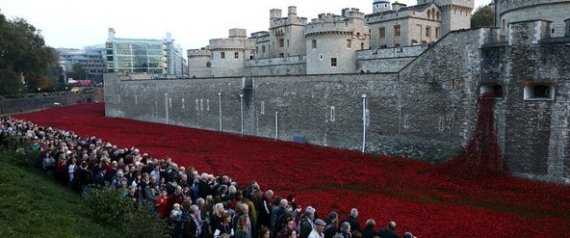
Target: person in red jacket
[161, 204]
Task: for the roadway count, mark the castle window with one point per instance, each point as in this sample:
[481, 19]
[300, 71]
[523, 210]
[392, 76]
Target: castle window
[288, 43]
[382, 31]
[428, 31]
[208, 65]
[281, 43]
[263, 49]
[438, 17]
[429, 14]
[314, 43]
[437, 32]
[236, 55]
[362, 46]
[538, 92]
[348, 43]
[223, 55]
[397, 30]
[333, 62]
[494, 88]
[407, 121]
[453, 84]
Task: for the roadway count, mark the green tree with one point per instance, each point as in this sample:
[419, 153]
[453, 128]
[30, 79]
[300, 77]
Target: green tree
[24, 57]
[78, 72]
[484, 16]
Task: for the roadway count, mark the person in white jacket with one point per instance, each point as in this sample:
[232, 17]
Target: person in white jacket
[318, 231]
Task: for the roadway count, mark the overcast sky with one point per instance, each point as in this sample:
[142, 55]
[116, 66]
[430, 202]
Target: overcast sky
[75, 24]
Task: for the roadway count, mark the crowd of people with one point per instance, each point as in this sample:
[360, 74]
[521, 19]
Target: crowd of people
[194, 205]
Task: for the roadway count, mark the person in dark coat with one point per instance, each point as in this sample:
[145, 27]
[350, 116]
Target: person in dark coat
[306, 223]
[264, 214]
[332, 225]
[354, 224]
[204, 188]
[99, 178]
[389, 231]
[191, 228]
[370, 229]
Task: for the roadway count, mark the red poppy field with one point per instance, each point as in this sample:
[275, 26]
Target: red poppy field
[412, 193]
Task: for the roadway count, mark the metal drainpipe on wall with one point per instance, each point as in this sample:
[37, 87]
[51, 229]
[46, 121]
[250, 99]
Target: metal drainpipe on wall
[241, 107]
[364, 123]
[276, 125]
[220, 109]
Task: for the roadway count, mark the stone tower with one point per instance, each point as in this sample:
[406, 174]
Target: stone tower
[230, 54]
[199, 63]
[380, 6]
[455, 14]
[286, 34]
[332, 42]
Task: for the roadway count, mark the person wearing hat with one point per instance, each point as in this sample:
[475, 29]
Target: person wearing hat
[318, 231]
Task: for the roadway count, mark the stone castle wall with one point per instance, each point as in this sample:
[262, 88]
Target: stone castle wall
[387, 60]
[295, 65]
[536, 141]
[424, 111]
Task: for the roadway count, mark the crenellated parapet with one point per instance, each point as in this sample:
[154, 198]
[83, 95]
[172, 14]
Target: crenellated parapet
[192, 53]
[350, 22]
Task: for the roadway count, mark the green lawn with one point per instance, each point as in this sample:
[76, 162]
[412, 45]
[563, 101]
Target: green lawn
[33, 206]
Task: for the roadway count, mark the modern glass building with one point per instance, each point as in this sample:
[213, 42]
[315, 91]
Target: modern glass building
[152, 56]
[91, 58]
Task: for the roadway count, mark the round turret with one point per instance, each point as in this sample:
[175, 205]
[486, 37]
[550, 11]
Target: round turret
[380, 6]
[555, 11]
[199, 63]
[332, 42]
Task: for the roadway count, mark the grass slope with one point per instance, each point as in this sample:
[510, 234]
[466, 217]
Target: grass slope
[33, 206]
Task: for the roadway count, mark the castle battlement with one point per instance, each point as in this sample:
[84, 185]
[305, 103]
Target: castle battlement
[292, 19]
[462, 3]
[237, 41]
[350, 22]
[328, 28]
[199, 53]
[227, 44]
[353, 13]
